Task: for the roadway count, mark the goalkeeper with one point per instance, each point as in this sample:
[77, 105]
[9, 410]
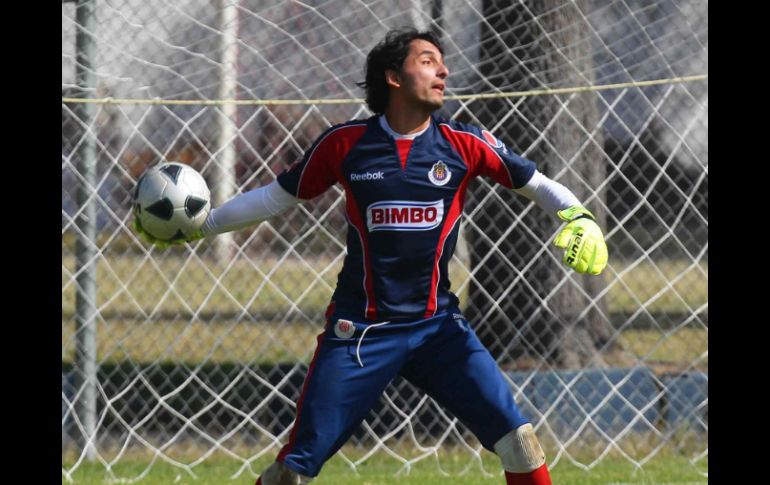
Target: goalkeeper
[405, 172]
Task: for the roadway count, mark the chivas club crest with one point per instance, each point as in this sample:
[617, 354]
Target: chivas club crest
[439, 174]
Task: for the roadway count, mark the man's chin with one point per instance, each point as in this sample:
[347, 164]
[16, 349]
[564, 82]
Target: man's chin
[435, 104]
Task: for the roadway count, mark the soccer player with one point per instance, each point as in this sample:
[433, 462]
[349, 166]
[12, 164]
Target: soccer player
[405, 172]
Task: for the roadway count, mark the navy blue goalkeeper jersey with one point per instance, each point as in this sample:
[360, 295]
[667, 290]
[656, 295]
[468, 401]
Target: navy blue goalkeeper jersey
[404, 199]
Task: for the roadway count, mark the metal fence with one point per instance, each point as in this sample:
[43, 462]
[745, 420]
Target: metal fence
[201, 350]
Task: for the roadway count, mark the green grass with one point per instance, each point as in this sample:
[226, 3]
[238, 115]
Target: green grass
[681, 345]
[169, 284]
[385, 470]
[230, 341]
[183, 341]
[662, 287]
[175, 309]
[130, 288]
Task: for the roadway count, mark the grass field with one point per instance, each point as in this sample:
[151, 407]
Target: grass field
[263, 342]
[667, 470]
[172, 309]
[131, 284]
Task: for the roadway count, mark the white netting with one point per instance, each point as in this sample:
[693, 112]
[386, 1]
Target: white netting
[201, 351]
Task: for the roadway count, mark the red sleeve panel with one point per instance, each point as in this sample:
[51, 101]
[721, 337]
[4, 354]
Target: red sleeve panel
[486, 155]
[321, 167]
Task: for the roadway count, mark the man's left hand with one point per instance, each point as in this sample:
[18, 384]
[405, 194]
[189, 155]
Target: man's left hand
[582, 240]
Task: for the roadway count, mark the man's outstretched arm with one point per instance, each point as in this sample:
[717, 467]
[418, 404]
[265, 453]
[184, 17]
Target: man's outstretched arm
[249, 208]
[241, 211]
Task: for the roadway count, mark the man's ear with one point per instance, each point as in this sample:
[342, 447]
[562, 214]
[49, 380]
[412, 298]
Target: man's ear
[392, 79]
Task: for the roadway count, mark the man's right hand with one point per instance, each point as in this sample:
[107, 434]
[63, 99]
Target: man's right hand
[161, 244]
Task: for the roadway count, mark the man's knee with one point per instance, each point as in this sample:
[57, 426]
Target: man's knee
[280, 474]
[520, 450]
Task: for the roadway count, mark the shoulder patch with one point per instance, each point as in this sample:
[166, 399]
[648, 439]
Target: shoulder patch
[490, 138]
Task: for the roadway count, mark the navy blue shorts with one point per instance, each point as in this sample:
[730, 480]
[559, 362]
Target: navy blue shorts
[441, 355]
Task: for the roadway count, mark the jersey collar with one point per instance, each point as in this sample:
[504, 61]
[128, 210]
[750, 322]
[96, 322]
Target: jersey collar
[398, 136]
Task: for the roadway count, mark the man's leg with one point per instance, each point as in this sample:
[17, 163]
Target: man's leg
[336, 396]
[280, 474]
[456, 370]
[522, 457]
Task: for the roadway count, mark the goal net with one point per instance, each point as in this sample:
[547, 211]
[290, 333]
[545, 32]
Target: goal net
[197, 352]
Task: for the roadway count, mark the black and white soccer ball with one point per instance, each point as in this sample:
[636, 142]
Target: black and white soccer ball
[171, 201]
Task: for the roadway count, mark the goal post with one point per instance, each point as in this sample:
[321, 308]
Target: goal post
[200, 351]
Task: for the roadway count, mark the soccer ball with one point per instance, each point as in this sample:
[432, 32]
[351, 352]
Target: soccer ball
[171, 201]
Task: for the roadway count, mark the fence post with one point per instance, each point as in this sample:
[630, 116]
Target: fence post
[85, 299]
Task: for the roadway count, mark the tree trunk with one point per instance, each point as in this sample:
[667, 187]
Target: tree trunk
[528, 306]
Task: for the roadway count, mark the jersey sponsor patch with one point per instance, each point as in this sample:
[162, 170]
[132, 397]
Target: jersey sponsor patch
[439, 174]
[490, 138]
[344, 328]
[404, 215]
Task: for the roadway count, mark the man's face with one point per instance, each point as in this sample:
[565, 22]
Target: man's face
[422, 76]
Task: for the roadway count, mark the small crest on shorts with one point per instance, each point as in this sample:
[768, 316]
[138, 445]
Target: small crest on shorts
[461, 321]
[344, 328]
[439, 174]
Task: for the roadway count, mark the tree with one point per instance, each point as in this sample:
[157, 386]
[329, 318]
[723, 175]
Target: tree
[523, 298]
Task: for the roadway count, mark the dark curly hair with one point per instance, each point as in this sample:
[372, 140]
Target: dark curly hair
[390, 53]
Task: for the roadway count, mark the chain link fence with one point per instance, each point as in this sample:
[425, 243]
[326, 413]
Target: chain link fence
[201, 350]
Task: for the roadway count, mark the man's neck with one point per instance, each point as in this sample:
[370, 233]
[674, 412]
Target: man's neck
[406, 122]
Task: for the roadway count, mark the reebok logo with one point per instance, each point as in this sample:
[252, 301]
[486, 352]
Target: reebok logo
[354, 177]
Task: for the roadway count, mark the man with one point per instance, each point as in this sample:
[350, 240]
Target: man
[405, 173]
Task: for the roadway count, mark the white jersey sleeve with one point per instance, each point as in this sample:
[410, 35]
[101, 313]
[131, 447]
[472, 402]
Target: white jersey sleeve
[248, 209]
[550, 195]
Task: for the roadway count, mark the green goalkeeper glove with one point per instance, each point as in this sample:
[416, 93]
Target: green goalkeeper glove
[161, 244]
[585, 249]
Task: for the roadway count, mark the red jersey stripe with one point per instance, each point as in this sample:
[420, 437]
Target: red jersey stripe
[324, 164]
[403, 146]
[452, 218]
[480, 158]
[356, 220]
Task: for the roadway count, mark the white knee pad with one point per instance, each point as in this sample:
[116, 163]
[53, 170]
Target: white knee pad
[280, 474]
[520, 450]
